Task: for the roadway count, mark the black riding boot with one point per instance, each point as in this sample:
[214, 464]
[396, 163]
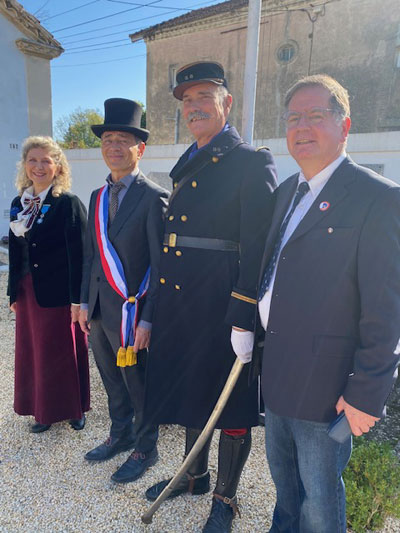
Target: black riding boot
[196, 480]
[232, 456]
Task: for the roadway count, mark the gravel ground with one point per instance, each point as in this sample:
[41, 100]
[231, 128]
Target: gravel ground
[47, 486]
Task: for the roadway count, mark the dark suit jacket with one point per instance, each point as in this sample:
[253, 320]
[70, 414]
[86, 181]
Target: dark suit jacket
[334, 321]
[136, 234]
[54, 248]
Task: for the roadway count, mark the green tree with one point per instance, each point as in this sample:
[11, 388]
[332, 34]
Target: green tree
[73, 130]
[143, 119]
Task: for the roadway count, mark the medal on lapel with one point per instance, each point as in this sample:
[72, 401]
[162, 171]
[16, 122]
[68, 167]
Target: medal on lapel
[43, 211]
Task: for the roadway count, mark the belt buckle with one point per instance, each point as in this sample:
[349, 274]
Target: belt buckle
[172, 240]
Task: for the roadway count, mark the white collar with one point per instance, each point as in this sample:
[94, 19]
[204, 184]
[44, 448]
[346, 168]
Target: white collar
[318, 181]
[28, 193]
[19, 226]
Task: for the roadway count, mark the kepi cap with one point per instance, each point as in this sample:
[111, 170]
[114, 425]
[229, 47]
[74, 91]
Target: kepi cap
[199, 72]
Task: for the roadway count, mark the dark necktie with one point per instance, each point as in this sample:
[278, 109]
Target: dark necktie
[302, 189]
[113, 208]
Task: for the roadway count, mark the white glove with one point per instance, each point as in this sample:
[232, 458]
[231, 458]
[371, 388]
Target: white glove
[242, 344]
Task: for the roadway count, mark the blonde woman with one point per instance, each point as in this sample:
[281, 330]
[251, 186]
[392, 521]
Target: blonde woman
[45, 245]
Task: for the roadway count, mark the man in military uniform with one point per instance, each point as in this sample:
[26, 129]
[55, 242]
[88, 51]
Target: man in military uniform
[218, 218]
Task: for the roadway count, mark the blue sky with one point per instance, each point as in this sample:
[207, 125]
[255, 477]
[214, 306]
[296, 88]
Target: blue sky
[100, 61]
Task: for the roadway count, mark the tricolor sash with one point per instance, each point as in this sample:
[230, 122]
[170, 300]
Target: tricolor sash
[114, 272]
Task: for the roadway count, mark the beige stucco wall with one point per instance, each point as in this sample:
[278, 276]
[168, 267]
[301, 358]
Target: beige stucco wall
[355, 41]
[39, 95]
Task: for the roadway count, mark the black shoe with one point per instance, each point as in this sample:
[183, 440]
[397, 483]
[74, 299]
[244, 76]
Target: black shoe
[78, 423]
[111, 447]
[223, 511]
[193, 484]
[135, 466]
[39, 428]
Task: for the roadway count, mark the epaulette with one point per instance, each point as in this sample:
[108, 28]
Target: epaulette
[262, 148]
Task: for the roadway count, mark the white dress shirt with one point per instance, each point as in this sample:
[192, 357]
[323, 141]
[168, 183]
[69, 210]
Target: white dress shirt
[316, 184]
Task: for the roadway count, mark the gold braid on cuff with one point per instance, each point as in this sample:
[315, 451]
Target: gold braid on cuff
[244, 298]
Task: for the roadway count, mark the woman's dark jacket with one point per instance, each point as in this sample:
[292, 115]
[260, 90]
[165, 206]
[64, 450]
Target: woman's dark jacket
[51, 251]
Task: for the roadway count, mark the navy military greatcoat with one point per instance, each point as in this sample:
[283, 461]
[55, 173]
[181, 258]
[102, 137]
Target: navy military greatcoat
[208, 282]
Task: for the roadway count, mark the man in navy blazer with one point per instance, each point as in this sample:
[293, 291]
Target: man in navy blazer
[329, 307]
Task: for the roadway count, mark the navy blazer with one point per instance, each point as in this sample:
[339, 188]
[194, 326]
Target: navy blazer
[334, 321]
[54, 249]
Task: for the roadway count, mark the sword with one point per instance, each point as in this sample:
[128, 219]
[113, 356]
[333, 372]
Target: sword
[147, 517]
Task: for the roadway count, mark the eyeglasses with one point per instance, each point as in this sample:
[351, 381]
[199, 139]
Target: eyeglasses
[313, 116]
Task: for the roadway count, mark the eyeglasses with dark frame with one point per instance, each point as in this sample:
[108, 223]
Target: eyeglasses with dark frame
[313, 116]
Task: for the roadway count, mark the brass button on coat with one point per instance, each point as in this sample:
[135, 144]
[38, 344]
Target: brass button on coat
[178, 253]
[184, 218]
[178, 287]
[215, 159]
[162, 281]
[194, 184]
[171, 217]
[165, 249]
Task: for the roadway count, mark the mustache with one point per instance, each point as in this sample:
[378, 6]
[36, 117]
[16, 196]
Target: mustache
[197, 115]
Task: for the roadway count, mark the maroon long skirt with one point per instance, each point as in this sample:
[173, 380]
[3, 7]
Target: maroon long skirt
[51, 361]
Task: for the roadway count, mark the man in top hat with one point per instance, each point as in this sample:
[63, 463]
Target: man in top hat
[119, 282]
[218, 216]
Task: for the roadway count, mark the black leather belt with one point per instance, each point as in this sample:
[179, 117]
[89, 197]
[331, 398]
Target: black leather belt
[172, 240]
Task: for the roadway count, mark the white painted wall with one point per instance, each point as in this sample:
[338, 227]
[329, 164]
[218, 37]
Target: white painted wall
[13, 112]
[363, 148]
[89, 170]
[25, 108]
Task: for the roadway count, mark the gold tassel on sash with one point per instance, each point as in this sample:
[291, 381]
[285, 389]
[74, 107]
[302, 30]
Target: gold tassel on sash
[131, 356]
[121, 357]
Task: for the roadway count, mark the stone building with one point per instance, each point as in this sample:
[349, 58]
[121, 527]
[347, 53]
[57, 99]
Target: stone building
[355, 41]
[26, 49]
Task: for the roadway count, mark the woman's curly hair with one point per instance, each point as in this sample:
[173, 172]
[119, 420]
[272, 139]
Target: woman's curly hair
[62, 179]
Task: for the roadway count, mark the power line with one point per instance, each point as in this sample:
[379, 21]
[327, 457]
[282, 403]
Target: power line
[95, 49]
[106, 16]
[69, 10]
[201, 4]
[115, 26]
[40, 8]
[97, 37]
[156, 7]
[98, 62]
[97, 44]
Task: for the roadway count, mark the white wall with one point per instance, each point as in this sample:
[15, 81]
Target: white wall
[13, 112]
[25, 109]
[364, 148]
[89, 170]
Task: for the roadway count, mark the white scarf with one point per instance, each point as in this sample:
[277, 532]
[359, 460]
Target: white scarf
[31, 205]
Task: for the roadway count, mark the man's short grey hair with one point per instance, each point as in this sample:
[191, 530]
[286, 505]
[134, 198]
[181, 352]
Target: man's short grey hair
[222, 93]
[339, 99]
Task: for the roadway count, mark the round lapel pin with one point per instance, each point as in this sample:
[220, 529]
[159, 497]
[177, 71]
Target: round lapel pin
[323, 206]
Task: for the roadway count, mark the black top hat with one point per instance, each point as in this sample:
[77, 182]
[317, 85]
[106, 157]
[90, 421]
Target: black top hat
[121, 114]
[199, 72]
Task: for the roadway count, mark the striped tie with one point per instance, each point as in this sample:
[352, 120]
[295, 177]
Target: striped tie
[302, 189]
